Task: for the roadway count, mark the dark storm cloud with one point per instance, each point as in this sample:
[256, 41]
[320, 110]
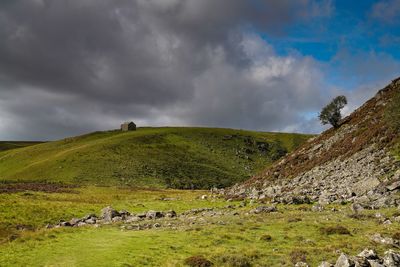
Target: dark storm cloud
[72, 66]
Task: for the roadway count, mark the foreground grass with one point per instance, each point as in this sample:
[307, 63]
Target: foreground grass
[274, 239]
[149, 157]
[32, 210]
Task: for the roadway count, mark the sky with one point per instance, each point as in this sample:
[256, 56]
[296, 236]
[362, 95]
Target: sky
[70, 67]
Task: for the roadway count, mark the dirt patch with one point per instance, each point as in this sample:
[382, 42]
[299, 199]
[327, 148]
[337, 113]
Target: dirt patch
[37, 187]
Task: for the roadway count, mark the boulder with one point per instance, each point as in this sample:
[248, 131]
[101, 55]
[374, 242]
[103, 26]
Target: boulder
[74, 221]
[391, 259]
[344, 261]
[116, 219]
[151, 214]
[375, 264]
[124, 214]
[89, 216]
[264, 209]
[170, 214]
[90, 221]
[365, 185]
[131, 219]
[65, 224]
[79, 224]
[368, 254]
[108, 213]
[395, 185]
[356, 208]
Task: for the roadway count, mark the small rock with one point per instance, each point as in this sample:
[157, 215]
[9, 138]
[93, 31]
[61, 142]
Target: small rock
[387, 222]
[65, 224]
[325, 264]
[377, 238]
[116, 219]
[393, 186]
[80, 224]
[156, 225]
[356, 208]
[141, 215]
[131, 219]
[301, 264]
[317, 208]
[204, 197]
[108, 213]
[264, 209]
[90, 221]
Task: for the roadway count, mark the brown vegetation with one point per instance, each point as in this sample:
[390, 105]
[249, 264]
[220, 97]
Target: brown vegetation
[198, 261]
[41, 187]
[365, 126]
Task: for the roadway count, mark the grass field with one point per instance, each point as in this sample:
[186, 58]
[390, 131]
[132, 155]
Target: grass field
[8, 145]
[70, 178]
[274, 239]
[150, 157]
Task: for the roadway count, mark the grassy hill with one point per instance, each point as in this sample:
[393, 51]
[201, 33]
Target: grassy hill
[7, 145]
[149, 157]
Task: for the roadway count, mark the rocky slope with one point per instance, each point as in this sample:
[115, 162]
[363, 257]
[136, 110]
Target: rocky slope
[353, 163]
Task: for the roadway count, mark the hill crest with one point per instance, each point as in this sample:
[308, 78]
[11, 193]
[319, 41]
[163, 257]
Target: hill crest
[173, 157]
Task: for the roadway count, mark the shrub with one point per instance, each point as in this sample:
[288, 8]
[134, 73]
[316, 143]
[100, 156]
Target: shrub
[235, 260]
[338, 230]
[266, 238]
[396, 236]
[298, 255]
[293, 220]
[277, 150]
[198, 261]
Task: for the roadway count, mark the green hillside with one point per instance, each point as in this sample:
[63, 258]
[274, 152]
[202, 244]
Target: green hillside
[149, 157]
[7, 145]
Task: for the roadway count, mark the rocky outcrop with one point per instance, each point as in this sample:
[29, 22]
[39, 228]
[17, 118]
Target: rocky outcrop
[350, 164]
[367, 258]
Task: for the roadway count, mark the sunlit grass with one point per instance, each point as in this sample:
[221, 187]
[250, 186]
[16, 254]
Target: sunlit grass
[293, 231]
[150, 157]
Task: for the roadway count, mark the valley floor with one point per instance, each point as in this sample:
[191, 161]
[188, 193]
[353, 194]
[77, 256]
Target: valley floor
[230, 236]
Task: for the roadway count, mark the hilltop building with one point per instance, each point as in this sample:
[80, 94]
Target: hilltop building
[128, 126]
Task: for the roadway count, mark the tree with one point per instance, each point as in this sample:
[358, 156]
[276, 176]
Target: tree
[331, 113]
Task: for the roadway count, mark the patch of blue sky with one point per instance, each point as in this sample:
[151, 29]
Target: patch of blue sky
[342, 41]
